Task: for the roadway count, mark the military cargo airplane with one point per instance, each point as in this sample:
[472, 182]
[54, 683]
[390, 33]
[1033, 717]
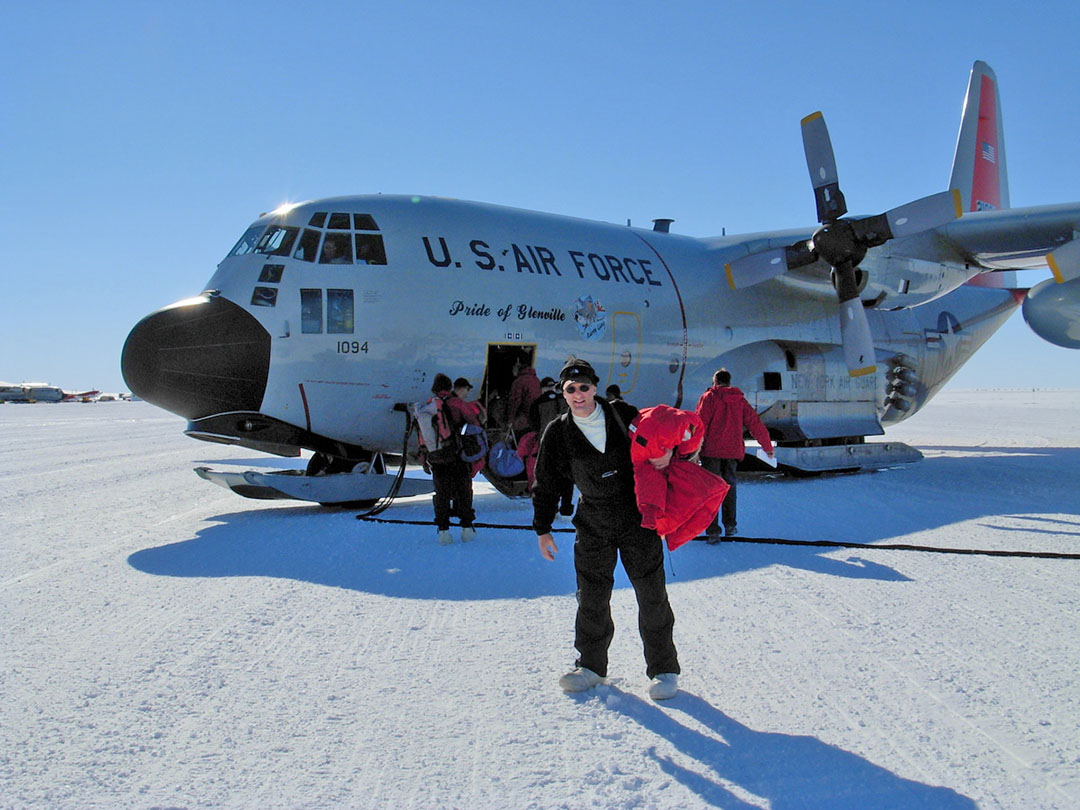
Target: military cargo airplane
[30, 392]
[327, 317]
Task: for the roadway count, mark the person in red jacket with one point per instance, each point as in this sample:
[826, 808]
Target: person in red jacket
[524, 391]
[726, 416]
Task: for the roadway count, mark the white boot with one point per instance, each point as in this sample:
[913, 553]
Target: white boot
[579, 680]
[444, 538]
[468, 534]
[665, 687]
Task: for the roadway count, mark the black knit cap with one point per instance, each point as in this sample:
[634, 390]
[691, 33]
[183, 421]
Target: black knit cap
[577, 370]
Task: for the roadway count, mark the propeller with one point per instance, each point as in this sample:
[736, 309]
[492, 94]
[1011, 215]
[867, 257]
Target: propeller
[842, 243]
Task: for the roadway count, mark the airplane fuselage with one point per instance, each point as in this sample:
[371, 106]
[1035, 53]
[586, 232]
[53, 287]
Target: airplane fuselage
[413, 286]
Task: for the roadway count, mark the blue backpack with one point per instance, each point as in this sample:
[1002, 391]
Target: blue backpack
[474, 442]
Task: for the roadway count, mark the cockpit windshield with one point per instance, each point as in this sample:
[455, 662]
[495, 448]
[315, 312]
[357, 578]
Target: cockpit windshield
[248, 241]
[277, 241]
[328, 238]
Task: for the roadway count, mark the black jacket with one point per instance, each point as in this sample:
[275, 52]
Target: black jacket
[606, 480]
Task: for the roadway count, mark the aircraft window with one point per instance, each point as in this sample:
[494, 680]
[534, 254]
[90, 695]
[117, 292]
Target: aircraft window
[247, 241]
[271, 273]
[318, 219]
[773, 381]
[264, 297]
[311, 312]
[339, 312]
[336, 249]
[365, 222]
[277, 241]
[369, 249]
[339, 222]
[308, 248]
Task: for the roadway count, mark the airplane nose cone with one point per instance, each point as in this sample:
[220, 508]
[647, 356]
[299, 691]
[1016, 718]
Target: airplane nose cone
[198, 357]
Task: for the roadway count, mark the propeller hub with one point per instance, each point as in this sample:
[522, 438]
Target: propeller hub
[837, 244]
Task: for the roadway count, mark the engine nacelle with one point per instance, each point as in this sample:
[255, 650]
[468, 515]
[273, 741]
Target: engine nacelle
[900, 282]
[1052, 311]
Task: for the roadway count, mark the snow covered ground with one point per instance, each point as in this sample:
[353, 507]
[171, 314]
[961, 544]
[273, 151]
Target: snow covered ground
[166, 643]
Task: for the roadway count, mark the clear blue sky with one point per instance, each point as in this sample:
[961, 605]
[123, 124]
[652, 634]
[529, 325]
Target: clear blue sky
[139, 139]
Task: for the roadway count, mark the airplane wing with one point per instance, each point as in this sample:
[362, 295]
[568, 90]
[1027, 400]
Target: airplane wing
[1016, 238]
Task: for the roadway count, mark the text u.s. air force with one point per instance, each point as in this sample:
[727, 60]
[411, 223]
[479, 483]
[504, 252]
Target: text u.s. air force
[541, 261]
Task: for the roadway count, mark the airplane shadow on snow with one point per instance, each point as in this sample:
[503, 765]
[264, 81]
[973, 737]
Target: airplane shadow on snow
[328, 547]
[786, 769]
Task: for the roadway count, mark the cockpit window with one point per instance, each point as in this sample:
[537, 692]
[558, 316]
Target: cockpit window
[271, 273]
[336, 249]
[311, 312]
[369, 249]
[339, 222]
[248, 241]
[308, 248]
[277, 241]
[365, 222]
[264, 297]
[339, 312]
[318, 219]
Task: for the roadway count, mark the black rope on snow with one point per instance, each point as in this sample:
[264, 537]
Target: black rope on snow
[432, 523]
[779, 541]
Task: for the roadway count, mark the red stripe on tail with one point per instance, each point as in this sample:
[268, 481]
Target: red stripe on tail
[986, 183]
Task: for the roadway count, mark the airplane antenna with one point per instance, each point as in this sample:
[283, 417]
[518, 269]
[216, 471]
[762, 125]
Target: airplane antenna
[662, 225]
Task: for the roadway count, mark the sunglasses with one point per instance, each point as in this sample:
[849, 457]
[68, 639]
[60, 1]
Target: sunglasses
[573, 389]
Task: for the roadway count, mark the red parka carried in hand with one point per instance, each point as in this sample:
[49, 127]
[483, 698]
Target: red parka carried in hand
[681, 499]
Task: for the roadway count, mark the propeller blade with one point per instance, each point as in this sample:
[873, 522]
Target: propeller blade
[746, 271]
[822, 166]
[922, 215]
[855, 334]
[1065, 262]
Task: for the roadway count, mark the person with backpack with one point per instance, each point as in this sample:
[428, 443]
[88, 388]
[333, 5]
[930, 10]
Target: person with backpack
[451, 475]
[474, 438]
[589, 446]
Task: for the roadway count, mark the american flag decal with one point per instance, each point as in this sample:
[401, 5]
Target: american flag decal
[988, 152]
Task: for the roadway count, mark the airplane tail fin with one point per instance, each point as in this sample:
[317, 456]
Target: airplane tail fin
[978, 168]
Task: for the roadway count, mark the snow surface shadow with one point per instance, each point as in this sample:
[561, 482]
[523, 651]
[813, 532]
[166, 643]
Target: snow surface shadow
[930, 495]
[328, 547]
[309, 544]
[788, 770]
[1025, 526]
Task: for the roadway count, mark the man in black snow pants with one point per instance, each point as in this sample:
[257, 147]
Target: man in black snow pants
[589, 447]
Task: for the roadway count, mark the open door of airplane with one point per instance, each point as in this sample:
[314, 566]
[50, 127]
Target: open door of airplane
[502, 364]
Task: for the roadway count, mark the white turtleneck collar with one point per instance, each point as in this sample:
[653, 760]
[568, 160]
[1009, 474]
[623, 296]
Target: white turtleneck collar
[594, 426]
